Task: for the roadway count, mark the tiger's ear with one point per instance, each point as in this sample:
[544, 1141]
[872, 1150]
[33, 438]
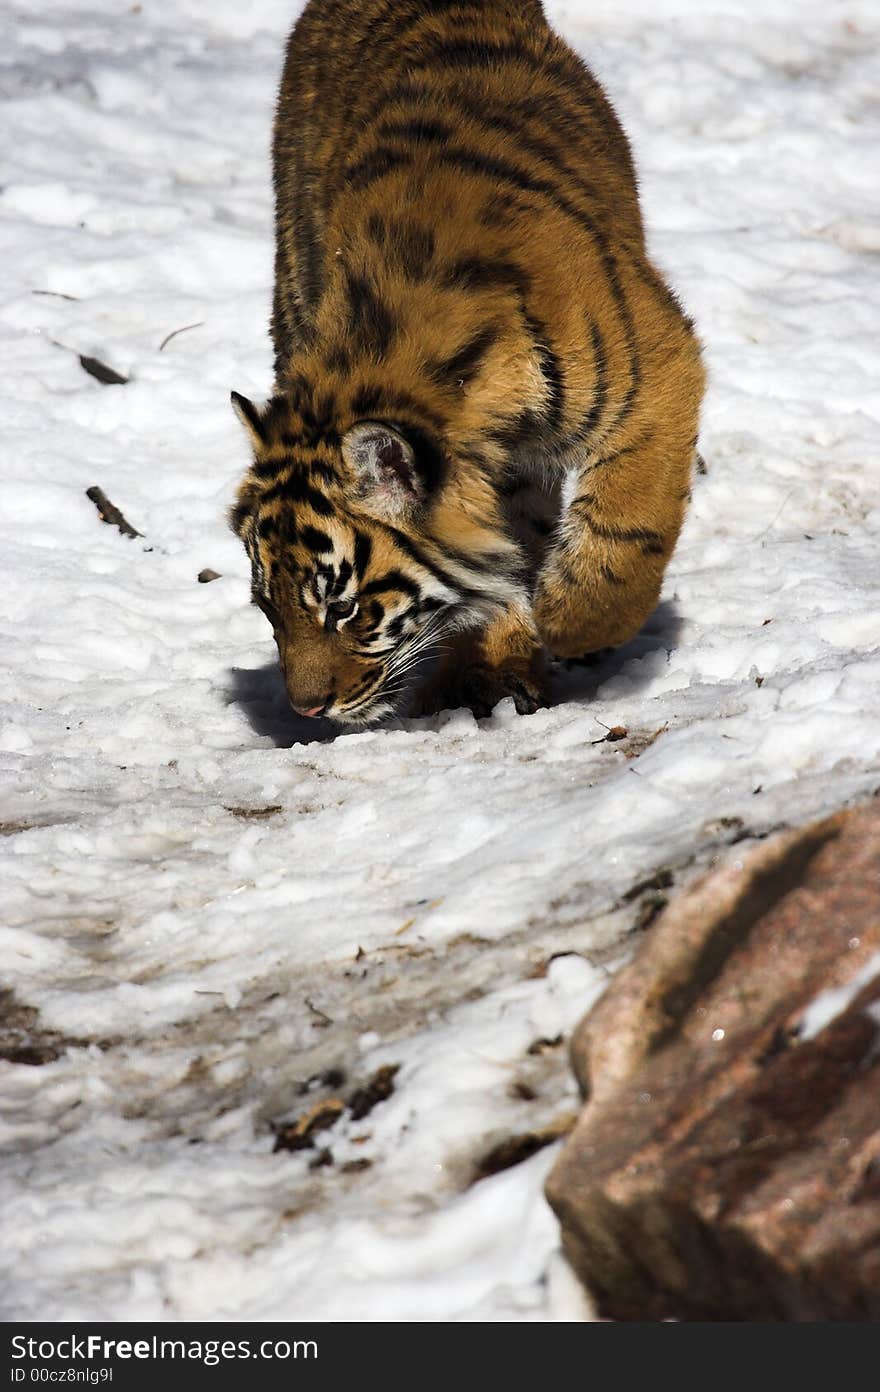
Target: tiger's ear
[384, 464]
[250, 417]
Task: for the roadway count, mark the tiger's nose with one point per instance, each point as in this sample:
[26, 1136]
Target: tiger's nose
[311, 710]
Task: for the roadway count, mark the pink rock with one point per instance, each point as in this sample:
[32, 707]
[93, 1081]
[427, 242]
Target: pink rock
[727, 1163]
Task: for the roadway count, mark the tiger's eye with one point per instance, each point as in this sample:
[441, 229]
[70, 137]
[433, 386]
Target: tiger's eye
[342, 608]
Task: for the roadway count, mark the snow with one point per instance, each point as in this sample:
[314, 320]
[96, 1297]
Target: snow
[443, 894]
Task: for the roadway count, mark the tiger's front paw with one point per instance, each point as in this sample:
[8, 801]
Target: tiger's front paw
[481, 687]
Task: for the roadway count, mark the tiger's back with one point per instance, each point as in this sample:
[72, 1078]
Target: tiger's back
[488, 86]
[460, 255]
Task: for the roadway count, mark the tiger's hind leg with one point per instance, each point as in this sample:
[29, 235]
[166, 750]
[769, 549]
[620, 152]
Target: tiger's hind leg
[602, 575]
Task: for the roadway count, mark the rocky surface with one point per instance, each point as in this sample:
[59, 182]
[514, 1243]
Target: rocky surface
[727, 1164]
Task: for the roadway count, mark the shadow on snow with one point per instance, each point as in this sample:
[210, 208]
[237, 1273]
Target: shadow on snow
[262, 696]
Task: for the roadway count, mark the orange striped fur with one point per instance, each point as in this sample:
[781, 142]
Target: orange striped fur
[464, 316]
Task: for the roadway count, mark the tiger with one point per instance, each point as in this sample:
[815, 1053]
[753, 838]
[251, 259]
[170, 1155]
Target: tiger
[476, 455]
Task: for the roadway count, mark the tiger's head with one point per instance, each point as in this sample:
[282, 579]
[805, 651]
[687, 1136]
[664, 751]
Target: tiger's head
[356, 593]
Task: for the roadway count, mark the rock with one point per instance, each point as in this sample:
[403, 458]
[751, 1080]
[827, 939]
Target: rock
[727, 1163]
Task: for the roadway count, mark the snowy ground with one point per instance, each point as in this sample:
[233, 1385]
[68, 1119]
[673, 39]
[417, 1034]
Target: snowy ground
[201, 910]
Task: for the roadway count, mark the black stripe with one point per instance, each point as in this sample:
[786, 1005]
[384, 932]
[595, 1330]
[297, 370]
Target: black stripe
[376, 165]
[324, 472]
[372, 402]
[306, 273]
[561, 566]
[590, 422]
[418, 128]
[494, 167]
[639, 443]
[498, 562]
[413, 247]
[377, 229]
[631, 534]
[408, 546]
[316, 541]
[366, 400]
[297, 389]
[238, 515]
[317, 420]
[649, 276]
[625, 407]
[517, 433]
[296, 489]
[372, 324]
[501, 209]
[469, 53]
[363, 549]
[293, 459]
[521, 132]
[267, 469]
[398, 623]
[482, 273]
[392, 580]
[337, 360]
[491, 561]
[583, 500]
[551, 371]
[343, 576]
[463, 364]
[608, 574]
[406, 246]
[431, 462]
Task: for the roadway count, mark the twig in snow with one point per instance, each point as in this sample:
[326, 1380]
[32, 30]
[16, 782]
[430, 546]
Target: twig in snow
[299, 1134]
[108, 375]
[615, 732]
[109, 513]
[776, 516]
[175, 332]
[95, 368]
[56, 294]
[323, 1020]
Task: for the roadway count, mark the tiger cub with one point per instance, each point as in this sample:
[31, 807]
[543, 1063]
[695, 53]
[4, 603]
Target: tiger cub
[465, 319]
